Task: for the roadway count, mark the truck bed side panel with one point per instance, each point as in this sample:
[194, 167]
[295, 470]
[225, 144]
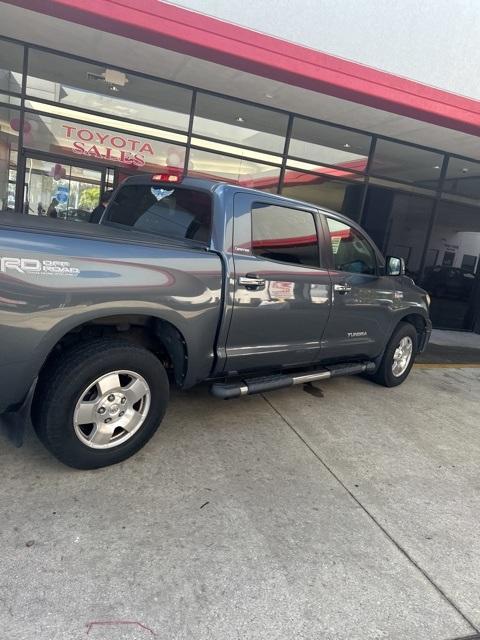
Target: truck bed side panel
[51, 283]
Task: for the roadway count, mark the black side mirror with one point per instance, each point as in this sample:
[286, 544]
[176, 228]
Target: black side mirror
[395, 266]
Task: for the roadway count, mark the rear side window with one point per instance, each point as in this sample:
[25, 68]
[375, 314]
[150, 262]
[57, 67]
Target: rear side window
[351, 251]
[284, 234]
[178, 213]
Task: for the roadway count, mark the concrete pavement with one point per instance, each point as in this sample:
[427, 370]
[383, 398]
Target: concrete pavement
[349, 514]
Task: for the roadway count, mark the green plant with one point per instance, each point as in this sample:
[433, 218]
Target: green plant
[89, 198]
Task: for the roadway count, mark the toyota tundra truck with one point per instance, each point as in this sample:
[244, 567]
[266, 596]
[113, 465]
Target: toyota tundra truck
[186, 281]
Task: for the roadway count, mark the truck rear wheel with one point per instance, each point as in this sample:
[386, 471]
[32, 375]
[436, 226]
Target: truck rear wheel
[398, 357]
[100, 403]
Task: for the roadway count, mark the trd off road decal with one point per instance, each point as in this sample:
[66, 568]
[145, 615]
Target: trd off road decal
[37, 267]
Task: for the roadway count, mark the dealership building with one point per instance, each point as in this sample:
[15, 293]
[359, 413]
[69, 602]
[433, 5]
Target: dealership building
[368, 108]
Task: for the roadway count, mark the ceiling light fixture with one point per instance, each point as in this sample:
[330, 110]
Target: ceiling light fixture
[464, 169]
[347, 146]
[437, 166]
[239, 119]
[269, 96]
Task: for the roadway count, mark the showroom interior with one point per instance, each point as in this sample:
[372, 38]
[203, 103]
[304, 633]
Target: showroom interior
[71, 128]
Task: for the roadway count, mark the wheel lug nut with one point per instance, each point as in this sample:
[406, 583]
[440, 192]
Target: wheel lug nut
[108, 419]
[111, 397]
[123, 400]
[121, 413]
[101, 410]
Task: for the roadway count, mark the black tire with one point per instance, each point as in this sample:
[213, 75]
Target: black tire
[65, 381]
[384, 374]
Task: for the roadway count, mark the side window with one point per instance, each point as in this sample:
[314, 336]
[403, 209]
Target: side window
[284, 234]
[351, 251]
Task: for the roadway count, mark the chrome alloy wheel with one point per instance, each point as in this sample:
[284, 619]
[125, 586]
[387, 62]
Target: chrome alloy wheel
[111, 409]
[402, 356]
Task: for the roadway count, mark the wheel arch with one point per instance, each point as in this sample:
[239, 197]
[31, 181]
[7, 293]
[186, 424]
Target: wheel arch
[420, 324]
[154, 333]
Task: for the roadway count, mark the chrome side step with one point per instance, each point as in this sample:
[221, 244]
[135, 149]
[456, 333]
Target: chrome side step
[248, 386]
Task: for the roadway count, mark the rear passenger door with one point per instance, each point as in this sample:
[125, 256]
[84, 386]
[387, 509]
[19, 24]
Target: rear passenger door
[281, 298]
[362, 297]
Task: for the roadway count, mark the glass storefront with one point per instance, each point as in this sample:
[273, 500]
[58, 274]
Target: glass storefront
[398, 221]
[62, 191]
[451, 268]
[72, 128]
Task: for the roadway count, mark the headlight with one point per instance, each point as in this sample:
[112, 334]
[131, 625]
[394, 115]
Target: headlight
[428, 299]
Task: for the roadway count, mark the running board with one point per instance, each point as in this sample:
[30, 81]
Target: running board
[248, 386]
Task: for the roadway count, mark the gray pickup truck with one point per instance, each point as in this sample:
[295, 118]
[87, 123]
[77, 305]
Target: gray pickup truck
[182, 282]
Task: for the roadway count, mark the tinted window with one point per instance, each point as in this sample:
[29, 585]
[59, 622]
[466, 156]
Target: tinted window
[175, 213]
[463, 178]
[241, 171]
[407, 163]
[122, 95]
[284, 234]
[239, 123]
[351, 251]
[327, 144]
[325, 190]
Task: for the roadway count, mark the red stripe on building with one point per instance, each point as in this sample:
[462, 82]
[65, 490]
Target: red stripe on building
[158, 23]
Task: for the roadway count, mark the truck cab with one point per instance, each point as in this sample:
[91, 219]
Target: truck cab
[304, 284]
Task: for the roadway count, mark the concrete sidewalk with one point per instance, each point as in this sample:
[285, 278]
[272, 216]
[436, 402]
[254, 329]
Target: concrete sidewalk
[349, 514]
[452, 348]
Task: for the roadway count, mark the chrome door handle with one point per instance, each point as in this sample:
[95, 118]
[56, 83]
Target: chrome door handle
[251, 281]
[342, 288]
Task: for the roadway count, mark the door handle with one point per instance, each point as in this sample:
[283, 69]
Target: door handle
[342, 288]
[251, 281]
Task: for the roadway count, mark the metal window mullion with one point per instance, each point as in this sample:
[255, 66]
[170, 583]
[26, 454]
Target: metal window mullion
[286, 147]
[193, 104]
[20, 186]
[433, 216]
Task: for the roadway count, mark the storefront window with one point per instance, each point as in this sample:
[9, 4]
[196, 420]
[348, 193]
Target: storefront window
[240, 171]
[325, 190]
[108, 91]
[103, 146]
[105, 121]
[61, 191]
[238, 123]
[398, 222]
[407, 164]
[11, 64]
[9, 100]
[462, 179]
[327, 144]
[9, 129]
[452, 264]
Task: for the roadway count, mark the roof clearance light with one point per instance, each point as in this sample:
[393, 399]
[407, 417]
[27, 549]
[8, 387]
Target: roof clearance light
[166, 177]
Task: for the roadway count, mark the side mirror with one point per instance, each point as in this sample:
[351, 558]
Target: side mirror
[395, 266]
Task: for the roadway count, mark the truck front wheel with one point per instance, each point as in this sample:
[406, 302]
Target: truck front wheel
[100, 402]
[398, 357]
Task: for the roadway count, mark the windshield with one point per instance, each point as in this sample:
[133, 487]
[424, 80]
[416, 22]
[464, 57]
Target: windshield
[179, 213]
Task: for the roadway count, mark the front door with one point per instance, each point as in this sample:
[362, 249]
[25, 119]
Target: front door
[362, 298]
[62, 190]
[281, 297]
